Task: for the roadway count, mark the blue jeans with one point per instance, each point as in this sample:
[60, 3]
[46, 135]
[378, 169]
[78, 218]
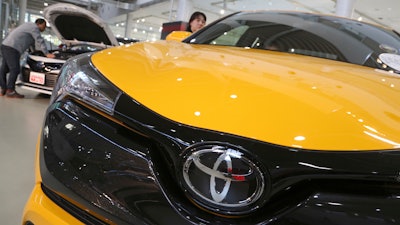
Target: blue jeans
[10, 63]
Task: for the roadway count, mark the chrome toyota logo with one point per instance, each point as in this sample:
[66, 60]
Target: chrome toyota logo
[222, 178]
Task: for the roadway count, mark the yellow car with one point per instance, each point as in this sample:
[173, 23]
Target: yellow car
[265, 117]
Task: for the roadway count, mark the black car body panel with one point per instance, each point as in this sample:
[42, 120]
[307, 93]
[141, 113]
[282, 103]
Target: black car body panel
[128, 171]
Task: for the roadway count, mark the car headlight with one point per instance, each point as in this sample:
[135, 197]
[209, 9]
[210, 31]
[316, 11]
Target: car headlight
[79, 78]
[37, 66]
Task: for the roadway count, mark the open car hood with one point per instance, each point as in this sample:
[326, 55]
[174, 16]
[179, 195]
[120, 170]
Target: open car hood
[73, 24]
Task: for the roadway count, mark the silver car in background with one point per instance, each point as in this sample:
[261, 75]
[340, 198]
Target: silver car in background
[79, 30]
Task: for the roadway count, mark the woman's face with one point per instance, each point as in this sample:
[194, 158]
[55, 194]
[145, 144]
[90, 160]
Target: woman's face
[197, 23]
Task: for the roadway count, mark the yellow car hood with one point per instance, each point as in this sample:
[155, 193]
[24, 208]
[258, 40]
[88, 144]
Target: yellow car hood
[280, 98]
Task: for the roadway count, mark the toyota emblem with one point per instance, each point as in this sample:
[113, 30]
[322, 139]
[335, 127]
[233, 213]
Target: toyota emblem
[223, 178]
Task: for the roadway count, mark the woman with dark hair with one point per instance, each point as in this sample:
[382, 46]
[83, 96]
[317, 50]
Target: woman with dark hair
[196, 22]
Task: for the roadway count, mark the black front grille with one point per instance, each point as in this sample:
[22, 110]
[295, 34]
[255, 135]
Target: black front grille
[51, 79]
[105, 171]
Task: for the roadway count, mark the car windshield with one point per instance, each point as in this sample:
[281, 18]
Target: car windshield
[321, 36]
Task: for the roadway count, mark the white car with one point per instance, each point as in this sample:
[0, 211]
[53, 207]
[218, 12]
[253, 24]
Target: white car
[79, 30]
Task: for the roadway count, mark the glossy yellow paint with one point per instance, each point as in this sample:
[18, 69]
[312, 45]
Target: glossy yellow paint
[177, 35]
[280, 98]
[41, 210]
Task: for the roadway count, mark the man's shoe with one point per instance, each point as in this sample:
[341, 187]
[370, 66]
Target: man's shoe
[2, 92]
[13, 94]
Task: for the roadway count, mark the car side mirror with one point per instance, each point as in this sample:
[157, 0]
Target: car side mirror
[177, 35]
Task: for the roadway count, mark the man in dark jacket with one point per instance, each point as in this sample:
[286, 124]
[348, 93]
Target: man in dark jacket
[15, 44]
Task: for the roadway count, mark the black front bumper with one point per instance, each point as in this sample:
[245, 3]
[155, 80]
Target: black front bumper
[123, 169]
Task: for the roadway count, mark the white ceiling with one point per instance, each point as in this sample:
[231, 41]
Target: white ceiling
[149, 15]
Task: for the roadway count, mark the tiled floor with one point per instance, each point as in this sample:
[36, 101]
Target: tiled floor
[20, 123]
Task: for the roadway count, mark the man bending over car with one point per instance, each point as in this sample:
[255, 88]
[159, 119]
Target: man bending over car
[15, 44]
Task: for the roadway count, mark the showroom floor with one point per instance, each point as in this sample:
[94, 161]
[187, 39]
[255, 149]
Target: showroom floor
[20, 122]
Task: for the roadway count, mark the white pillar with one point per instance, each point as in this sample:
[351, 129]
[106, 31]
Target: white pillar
[1, 21]
[185, 9]
[128, 27]
[345, 8]
[22, 11]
